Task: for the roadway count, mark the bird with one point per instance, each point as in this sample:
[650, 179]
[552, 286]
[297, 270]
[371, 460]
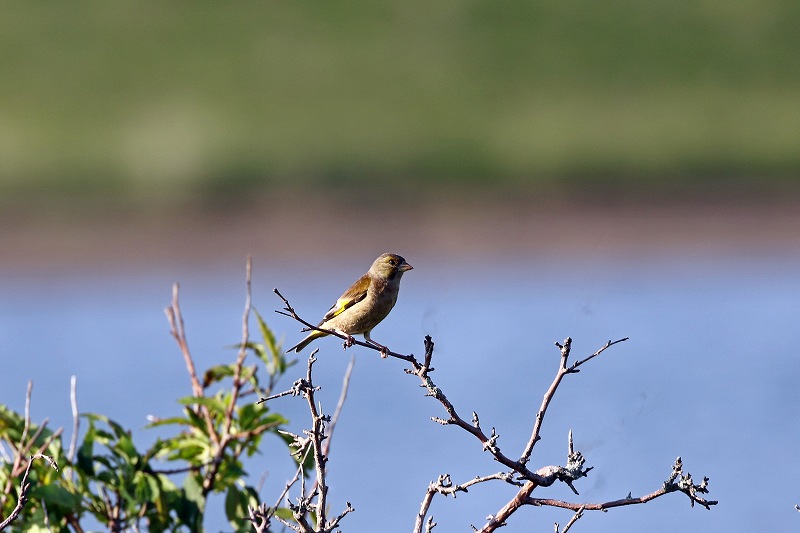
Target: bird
[364, 304]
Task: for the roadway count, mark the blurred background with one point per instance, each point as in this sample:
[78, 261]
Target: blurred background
[597, 170]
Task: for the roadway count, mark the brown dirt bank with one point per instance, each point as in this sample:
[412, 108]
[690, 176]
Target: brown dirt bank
[291, 227]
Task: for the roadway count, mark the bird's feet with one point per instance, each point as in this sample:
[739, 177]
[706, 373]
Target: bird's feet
[348, 341]
[384, 350]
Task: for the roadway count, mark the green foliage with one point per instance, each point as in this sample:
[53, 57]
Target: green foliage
[116, 483]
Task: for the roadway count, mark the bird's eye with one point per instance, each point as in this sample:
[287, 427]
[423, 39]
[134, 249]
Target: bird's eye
[392, 262]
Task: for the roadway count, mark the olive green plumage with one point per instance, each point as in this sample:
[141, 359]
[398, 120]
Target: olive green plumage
[365, 303]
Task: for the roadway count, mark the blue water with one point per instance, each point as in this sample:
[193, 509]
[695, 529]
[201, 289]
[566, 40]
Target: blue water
[711, 372]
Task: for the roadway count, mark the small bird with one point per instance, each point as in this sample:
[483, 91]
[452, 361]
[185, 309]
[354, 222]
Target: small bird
[365, 303]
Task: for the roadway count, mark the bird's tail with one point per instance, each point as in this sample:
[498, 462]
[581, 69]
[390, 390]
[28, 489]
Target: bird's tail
[305, 342]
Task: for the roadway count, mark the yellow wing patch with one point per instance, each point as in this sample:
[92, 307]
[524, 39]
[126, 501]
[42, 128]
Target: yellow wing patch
[353, 295]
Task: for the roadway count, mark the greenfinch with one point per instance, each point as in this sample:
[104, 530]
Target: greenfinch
[365, 303]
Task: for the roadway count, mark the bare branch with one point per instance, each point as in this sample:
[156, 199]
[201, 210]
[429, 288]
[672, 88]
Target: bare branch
[260, 516]
[177, 330]
[335, 522]
[595, 354]
[236, 387]
[684, 484]
[577, 516]
[289, 392]
[563, 370]
[73, 397]
[24, 485]
[27, 423]
[444, 485]
[544, 476]
[22, 499]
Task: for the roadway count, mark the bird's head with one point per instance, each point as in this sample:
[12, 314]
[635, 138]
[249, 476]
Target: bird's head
[389, 267]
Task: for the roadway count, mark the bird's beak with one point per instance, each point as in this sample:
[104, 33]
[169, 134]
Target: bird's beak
[405, 266]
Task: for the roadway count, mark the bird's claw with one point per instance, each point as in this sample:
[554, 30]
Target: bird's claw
[384, 352]
[348, 342]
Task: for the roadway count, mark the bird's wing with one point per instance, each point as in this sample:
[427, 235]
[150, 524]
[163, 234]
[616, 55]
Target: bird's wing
[353, 295]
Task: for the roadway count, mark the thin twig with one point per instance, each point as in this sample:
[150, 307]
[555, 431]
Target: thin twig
[290, 392]
[237, 373]
[577, 516]
[563, 370]
[444, 485]
[177, 330]
[236, 387]
[260, 516]
[326, 443]
[595, 354]
[317, 436]
[27, 422]
[684, 485]
[22, 499]
[73, 398]
[24, 486]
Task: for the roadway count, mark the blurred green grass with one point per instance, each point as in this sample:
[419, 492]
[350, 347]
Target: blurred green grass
[157, 100]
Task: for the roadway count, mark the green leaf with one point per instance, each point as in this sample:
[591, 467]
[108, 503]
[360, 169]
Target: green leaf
[193, 449]
[56, 496]
[86, 451]
[285, 513]
[249, 414]
[177, 420]
[276, 363]
[236, 503]
[214, 404]
[191, 507]
[196, 421]
[35, 523]
[126, 448]
[233, 504]
[142, 490]
[217, 373]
